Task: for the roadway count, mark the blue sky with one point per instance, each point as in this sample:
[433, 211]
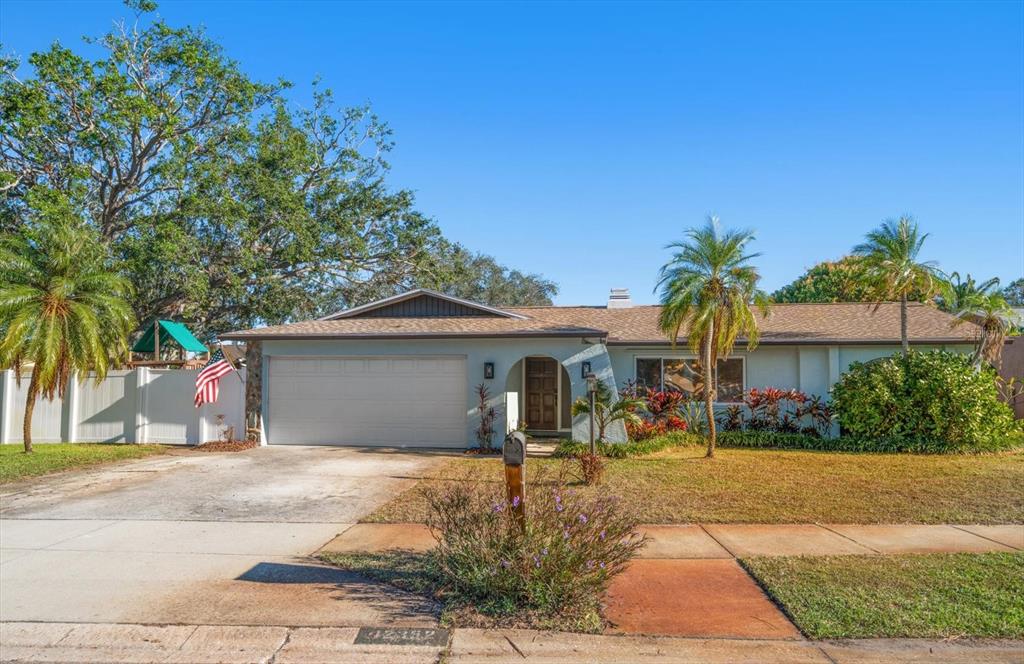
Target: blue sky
[576, 140]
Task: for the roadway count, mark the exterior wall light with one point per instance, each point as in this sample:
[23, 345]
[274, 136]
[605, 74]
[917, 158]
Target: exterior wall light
[585, 367]
[488, 370]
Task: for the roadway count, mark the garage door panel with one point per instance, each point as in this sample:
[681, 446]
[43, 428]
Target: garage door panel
[408, 401]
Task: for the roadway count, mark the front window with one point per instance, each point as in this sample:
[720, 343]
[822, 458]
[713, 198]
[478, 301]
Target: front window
[685, 375]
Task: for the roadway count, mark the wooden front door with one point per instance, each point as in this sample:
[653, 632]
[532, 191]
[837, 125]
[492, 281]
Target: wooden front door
[542, 393]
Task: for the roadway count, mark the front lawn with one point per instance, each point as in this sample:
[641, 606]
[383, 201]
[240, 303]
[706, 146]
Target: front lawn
[920, 596]
[49, 458]
[780, 486]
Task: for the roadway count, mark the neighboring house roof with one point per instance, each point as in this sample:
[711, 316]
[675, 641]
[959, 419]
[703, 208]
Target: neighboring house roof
[839, 323]
[169, 330]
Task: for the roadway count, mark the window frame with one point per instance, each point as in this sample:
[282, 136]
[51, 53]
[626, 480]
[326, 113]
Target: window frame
[661, 360]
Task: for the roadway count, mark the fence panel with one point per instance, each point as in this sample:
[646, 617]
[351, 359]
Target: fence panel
[105, 412]
[48, 423]
[137, 406]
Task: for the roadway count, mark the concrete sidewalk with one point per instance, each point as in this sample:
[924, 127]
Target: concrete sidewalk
[687, 582]
[712, 541]
[144, 644]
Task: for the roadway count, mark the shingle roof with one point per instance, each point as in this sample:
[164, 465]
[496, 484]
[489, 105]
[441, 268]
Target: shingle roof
[785, 324]
[452, 326]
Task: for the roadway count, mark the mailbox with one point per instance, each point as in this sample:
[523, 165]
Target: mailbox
[513, 452]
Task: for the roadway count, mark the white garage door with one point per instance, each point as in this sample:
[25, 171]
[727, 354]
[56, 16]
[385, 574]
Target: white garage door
[402, 401]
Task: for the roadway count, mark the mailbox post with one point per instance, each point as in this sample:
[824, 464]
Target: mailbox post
[592, 392]
[513, 454]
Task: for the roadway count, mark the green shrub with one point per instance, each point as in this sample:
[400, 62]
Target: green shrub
[932, 401]
[558, 566]
[568, 449]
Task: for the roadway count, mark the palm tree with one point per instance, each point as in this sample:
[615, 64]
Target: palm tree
[993, 314]
[607, 410]
[893, 270]
[709, 285]
[962, 290]
[61, 309]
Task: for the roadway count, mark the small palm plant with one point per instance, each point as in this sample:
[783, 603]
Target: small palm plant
[608, 410]
[962, 290]
[62, 310]
[710, 286]
[893, 270]
[992, 313]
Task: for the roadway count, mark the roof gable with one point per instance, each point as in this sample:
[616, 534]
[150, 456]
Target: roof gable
[422, 303]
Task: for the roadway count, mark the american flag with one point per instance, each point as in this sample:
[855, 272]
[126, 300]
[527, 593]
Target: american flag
[208, 380]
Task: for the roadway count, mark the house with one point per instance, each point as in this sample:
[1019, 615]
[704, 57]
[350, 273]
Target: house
[403, 370]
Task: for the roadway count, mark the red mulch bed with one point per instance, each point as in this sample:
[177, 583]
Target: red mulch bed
[226, 446]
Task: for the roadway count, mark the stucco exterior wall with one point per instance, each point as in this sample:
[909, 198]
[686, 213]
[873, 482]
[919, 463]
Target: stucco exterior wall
[811, 369]
[504, 353]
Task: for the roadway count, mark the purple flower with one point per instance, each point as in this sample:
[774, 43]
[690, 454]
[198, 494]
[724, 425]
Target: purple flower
[515, 502]
[558, 507]
[583, 518]
[498, 508]
[544, 551]
[602, 565]
[601, 535]
[590, 564]
[565, 534]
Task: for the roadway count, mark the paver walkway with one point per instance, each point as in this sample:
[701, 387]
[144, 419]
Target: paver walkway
[230, 644]
[743, 540]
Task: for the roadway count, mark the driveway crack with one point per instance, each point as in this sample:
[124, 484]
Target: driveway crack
[287, 638]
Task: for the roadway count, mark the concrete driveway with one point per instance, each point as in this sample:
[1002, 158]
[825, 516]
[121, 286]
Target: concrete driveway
[203, 538]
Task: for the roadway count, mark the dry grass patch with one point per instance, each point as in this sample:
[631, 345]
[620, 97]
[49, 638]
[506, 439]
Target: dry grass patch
[781, 486]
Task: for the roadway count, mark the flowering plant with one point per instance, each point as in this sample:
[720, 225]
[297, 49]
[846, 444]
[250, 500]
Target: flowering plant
[775, 409]
[559, 564]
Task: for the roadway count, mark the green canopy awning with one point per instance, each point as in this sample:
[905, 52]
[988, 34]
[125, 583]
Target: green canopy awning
[169, 331]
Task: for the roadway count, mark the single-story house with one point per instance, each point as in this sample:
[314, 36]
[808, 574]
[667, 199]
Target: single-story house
[404, 371]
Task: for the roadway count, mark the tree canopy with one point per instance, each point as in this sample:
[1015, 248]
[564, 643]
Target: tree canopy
[843, 280]
[1014, 293]
[225, 206]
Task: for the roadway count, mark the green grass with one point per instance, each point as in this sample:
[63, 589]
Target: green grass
[920, 596]
[49, 458]
[780, 486]
[416, 573]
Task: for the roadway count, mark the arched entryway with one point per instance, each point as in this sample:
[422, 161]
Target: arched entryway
[538, 392]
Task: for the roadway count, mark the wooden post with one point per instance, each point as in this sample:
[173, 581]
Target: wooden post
[156, 341]
[515, 484]
[513, 454]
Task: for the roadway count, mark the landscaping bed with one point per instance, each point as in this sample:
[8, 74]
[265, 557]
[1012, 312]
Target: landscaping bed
[52, 457]
[226, 446]
[912, 596]
[418, 573]
[678, 485]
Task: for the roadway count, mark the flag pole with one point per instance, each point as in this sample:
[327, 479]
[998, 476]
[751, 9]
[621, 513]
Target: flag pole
[230, 363]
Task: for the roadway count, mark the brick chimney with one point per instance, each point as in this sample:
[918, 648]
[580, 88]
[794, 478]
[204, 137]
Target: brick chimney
[619, 299]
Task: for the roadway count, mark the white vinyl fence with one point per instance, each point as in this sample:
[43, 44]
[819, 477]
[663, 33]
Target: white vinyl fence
[138, 406]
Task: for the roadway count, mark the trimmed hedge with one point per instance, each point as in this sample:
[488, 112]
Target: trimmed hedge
[571, 448]
[933, 401]
[774, 440]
